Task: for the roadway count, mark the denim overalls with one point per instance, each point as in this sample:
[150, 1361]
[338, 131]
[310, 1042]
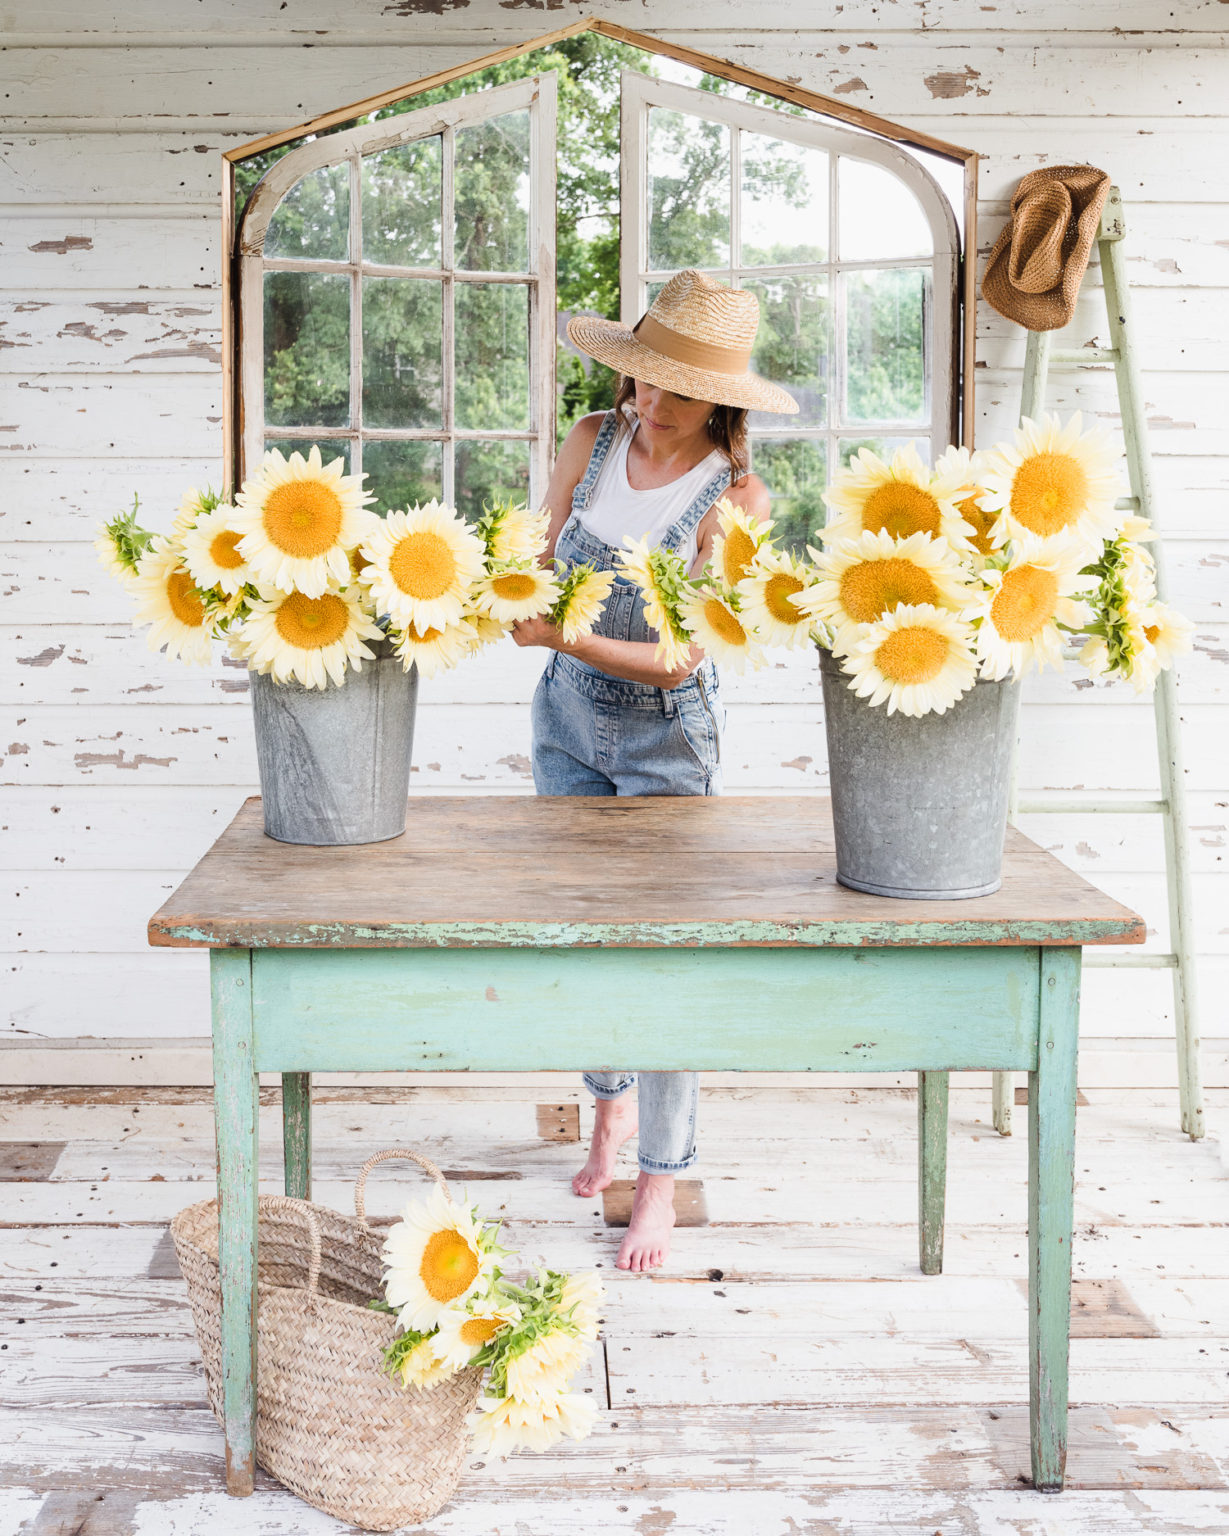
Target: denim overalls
[594, 734]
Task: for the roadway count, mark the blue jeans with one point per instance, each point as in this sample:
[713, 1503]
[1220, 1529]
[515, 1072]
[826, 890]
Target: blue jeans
[667, 1103]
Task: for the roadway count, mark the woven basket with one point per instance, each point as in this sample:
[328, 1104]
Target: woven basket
[330, 1424]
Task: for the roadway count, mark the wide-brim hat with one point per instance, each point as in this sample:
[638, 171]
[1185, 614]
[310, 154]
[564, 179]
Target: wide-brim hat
[1036, 267]
[696, 340]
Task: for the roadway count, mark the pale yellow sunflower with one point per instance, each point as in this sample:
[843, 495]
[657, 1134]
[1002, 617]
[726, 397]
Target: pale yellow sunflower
[436, 650]
[111, 557]
[519, 534]
[436, 1259]
[862, 579]
[424, 1366]
[423, 566]
[298, 519]
[311, 640]
[211, 553]
[583, 597]
[663, 583]
[1157, 636]
[1017, 610]
[580, 1301]
[193, 504]
[521, 591]
[735, 546]
[918, 658]
[769, 597]
[717, 626]
[1052, 481]
[502, 1425]
[541, 1370]
[463, 1331]
[484, 629]
[966, 467]
[901, 497]
[168, 600]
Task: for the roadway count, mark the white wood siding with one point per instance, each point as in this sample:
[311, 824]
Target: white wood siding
[119, 768]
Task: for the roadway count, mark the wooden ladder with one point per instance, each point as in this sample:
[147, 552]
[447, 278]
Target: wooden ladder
[1170, 804]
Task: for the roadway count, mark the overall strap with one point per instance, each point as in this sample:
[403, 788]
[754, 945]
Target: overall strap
[690, 517]
[583, 493]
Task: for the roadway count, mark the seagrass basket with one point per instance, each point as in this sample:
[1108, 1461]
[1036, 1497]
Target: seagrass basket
[330, 1424]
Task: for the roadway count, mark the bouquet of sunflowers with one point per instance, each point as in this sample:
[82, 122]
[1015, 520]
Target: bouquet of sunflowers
[458, 1310]
[298, 575]
[987, 565]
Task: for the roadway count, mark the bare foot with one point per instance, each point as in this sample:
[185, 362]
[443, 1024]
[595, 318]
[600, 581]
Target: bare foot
[647, 1244]
[615, 1122]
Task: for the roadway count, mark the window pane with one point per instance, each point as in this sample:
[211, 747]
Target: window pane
[402, 351]
[313, 220]
[402, 193]
[885, 447]
[492, 195]
[784, 202]
[402, 473]
[880, 219]
[492, 356]
[689, 191]
[791, 346]
[307, 349]
[330, 449]
[794, 473]
[487, 472]
[884, 324]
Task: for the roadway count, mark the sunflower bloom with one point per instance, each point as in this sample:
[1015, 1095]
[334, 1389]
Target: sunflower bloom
[579, 1301]
[436, 1259]
[168, 601]
[1054, 481]
[437, 650]
[423, 1366]
[716, 625]
[919, 659]
[521, 591]
[738, 542]
[663, 584]
[582, 597]
[1019, 608]
[211, 553]
[298, 520]
[502, 1425]
[423, 566]
[961, 465]
[311, 640]
[901, 497]
[862, 579]
[464, 1331]
[769, 598]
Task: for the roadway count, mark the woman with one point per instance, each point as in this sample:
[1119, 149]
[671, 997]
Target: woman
[608, 718]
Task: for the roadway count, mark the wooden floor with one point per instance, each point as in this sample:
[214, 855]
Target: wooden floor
[792, 1371]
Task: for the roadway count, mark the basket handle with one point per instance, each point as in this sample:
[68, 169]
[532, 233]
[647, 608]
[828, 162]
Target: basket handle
[301, 1208]
[360, 1184]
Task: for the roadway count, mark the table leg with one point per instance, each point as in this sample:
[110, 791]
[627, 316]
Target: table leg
[297, 1133]
[1051, 1179]
[236, 1105]
[931, 1168]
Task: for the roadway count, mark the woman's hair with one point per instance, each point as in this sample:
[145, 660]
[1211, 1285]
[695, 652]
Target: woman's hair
[727, 427]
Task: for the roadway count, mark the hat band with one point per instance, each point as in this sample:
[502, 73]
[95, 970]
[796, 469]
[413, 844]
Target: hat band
[686, 349]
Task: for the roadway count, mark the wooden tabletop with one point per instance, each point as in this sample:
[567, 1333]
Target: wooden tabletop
[481, 870]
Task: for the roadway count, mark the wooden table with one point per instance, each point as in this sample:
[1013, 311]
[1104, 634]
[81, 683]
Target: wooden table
[652, 933]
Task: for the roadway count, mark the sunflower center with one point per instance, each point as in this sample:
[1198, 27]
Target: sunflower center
[309, 623]
[1049, 493]
[477, 1330]
[737, 554]
[223, 553]
[1151, 631]
[185, 604]
[900, 508]
[778, 590]
[1025, 602]
[723, 623]
[913, 655]
[876, 587]
[982, 523]
[515, 586]
[302, 518]
[428, 636]
[422, 565]
[449, 1265]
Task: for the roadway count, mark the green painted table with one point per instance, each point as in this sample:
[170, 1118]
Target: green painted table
[510, 934]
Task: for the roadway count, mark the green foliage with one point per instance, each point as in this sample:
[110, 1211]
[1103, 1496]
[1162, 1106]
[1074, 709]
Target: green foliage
[128, 538]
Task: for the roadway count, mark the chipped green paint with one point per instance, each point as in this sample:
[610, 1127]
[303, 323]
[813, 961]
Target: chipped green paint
[931, 1168]
[297, 1133]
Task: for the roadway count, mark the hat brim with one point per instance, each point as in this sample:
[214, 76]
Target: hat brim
[614, 344]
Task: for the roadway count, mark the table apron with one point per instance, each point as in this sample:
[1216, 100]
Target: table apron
[707, 1009]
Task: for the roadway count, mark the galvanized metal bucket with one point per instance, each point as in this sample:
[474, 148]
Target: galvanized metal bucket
[919, 806]
[335, 762]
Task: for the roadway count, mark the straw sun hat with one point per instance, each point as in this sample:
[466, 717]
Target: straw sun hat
[696, 340]
[1034, 272]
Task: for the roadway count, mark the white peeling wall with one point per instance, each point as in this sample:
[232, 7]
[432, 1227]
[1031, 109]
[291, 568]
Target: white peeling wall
[119, 768]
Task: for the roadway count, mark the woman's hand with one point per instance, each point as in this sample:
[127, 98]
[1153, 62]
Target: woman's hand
[539, 631]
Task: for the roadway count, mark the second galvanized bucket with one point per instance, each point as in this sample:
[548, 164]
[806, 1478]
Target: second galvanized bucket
[335, 762]
[919, 806]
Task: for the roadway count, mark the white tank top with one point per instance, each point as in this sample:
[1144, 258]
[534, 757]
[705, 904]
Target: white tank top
[617, 508]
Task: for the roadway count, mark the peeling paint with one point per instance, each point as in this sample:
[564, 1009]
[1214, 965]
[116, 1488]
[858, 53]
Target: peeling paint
[423, 7]
[117, 760]
[1086, 850]
[948, 84]
[801, 763]
[61, 247]
[518, 762]
[121, 307]
[847, 87]
[17, 748]
[43, 659]
[197, 349]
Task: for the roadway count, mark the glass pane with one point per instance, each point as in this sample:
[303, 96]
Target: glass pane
[312, 221]
[885, 447]
[403, 319]
[791, 346]
[795, 474]
[784, 202]
[307, 349]
[402, 193]
[492, 195]
[880, 219]
[487, 472]
[402, 473]
[689, 191]
[330, 449]
[492, 356]
[884, 324]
